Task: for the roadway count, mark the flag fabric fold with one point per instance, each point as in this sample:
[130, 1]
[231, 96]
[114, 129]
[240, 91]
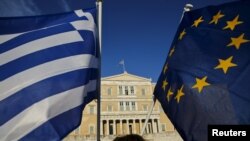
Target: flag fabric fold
[121, 62]
[48, 73]
[205, 79]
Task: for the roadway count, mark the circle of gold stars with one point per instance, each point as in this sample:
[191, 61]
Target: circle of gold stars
[224, 64]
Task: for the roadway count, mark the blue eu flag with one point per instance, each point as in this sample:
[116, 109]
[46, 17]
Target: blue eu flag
[205, 79]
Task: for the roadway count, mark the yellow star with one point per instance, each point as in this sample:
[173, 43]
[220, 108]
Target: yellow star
[164, 84]
[169, 94]
[238, 41]
[179, 94]
[200, 83]
[165, 68]
[182, 34]
[216, 18]
[225, 64]
[197, 22]
[231, 24]
[171, 51]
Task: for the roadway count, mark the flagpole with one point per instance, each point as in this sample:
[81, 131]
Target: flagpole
[148, 116]
[122, 62]
[187, 8]
[99, 22]
[124, 70]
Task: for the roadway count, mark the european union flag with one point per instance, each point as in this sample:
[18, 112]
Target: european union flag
[48, 73]
[205, 79]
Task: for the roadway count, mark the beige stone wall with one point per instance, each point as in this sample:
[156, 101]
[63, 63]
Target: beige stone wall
[113, 104]
[165, 120]
[89, 119]
[104, 90]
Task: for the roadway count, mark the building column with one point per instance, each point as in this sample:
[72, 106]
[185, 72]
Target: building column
[159, 125]
[114, 127]
[154, 126]
[140, 123]
[121, 131]
[101, 126]
[107, 127]
[127, 126]
[134, 127]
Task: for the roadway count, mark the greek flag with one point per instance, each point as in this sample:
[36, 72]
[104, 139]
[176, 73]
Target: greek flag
[48, 73]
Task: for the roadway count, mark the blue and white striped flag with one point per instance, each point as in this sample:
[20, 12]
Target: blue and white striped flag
[48, 73]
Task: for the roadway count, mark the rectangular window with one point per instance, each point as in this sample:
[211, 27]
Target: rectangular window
[121, 106]
[133, 106]
[120, 90]
[126, 90]
[127, 106]
[91, 129]
[109, 108]
[143, 92]
[145, 107]
[132, 90]
[109, 91]
[91, 109]
[163, 127]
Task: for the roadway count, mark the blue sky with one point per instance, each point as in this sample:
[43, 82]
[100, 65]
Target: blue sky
[138, 31]
[141, 32]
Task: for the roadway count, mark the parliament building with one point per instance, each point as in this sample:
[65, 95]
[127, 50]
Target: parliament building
[125, 102]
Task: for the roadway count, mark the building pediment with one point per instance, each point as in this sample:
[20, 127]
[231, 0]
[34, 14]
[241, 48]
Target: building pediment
[125, 77]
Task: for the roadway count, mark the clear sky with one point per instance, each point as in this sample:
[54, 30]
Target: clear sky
[138, 31]
[141, 32]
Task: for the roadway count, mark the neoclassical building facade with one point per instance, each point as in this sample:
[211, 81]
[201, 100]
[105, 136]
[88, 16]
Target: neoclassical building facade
[125, 103]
